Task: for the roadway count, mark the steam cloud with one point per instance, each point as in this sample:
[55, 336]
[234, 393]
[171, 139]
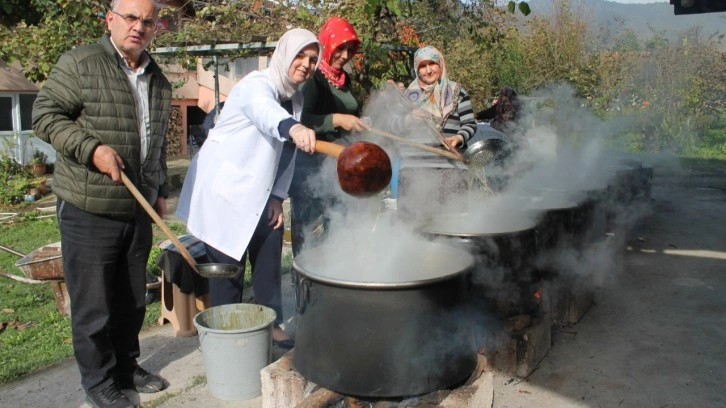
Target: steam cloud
[563, 158]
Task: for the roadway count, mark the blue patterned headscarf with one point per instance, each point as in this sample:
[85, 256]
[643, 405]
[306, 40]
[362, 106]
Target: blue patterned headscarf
[440, 98]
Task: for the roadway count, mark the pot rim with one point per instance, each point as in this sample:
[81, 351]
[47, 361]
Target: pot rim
[465, 260]
[378, 285]
[428, 229]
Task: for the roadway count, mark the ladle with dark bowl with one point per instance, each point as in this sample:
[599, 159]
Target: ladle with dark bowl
[364, 168]
[209, 270]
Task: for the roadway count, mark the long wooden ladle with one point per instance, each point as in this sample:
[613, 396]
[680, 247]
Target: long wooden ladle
[154, 216]
[364, 168]
[450, 154]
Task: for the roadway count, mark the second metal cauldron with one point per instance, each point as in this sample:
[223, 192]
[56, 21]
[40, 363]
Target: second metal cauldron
[505, 248]
[365, 335]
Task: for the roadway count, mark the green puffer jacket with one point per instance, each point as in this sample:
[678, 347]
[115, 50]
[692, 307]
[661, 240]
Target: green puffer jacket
[88, 101]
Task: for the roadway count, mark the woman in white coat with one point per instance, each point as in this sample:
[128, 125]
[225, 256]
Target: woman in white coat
[232, 195]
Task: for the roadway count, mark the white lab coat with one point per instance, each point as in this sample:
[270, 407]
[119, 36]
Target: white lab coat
[230, 180]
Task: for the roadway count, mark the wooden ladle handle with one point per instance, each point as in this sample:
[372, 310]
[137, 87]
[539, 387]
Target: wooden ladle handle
[154, 216]
[327, 148]
[451, 155]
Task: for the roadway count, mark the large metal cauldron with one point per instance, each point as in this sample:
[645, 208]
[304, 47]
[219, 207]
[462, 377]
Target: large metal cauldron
[565, 221]
[500, 241]
[365, 330]
[505, 246]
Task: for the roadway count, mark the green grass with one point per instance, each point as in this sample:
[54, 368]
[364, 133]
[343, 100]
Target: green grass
[35, 334]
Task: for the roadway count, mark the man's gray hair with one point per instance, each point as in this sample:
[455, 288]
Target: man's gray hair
[157, 6]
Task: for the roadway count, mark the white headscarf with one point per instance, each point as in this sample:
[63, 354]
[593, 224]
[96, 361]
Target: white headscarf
[288, 46]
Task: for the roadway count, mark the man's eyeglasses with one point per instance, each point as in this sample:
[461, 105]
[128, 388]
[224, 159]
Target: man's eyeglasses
[131, 19]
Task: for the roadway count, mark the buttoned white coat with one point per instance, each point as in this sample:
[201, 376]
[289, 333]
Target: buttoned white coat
[230, 180]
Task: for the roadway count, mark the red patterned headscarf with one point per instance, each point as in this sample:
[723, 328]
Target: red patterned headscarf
[334, 33]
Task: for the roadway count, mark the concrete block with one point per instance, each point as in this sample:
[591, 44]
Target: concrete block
[570, 304]
[479, 394]
[282, 386]
[521, 351]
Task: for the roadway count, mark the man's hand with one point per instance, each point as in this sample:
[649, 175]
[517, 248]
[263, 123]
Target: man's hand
[160, 206]
[303, 138]
[274, 213]
[107, 161]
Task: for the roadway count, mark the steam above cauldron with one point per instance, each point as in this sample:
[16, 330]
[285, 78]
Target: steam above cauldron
[550, 208]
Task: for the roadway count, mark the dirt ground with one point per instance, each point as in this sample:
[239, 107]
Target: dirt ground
[655, 337]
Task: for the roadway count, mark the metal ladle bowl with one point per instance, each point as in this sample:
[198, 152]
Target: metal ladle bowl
[480, 153]
[218, 270]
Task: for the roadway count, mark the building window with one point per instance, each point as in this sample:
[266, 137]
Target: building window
[6, 114]
[26, 111]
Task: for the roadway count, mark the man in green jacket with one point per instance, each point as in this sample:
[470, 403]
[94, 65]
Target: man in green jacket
[105, 109]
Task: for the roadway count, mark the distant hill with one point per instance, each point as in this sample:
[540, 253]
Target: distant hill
[643, 19]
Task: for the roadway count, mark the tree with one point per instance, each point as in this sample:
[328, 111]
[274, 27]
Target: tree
[35, 34]
[65, 24]
[13, 12]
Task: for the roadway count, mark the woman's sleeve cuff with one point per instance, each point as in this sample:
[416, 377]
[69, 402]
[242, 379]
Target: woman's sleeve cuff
[284, 127]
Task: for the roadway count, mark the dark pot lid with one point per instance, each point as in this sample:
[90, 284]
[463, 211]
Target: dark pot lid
[384, 265]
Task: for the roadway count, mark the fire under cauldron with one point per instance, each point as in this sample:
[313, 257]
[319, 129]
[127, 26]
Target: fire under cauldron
[505, 248]
[369, 330]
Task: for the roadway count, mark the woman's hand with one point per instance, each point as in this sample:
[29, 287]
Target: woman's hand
[351, 123]
[455, 141]
[274, 213]
[304, 138]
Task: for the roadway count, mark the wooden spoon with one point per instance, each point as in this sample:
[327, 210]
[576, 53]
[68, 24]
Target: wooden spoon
[450, 154]
[154, 216]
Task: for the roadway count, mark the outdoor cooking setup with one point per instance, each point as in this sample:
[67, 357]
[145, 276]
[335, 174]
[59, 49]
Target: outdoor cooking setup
[395, 321]
[510, 292]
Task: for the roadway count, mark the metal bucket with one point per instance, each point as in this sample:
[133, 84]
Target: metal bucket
[236, 343]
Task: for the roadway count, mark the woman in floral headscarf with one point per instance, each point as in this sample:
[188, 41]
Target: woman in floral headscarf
[441, 100]
[331, 109]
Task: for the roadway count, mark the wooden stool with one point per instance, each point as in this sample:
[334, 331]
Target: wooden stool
[180, 308]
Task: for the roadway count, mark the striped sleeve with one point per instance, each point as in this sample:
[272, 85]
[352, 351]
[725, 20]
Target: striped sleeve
[466, 116]
[462, 122]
